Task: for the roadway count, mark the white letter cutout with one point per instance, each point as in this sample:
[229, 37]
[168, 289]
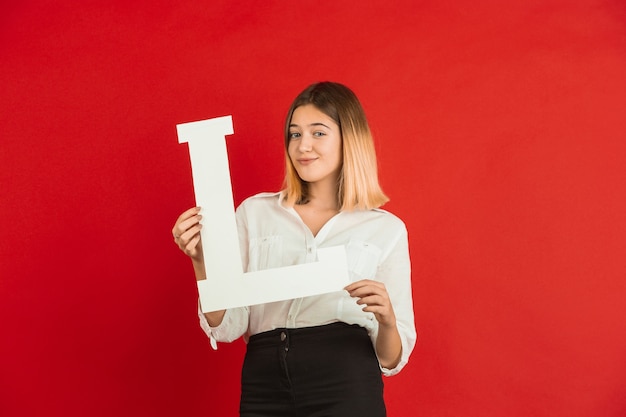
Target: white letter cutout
[227, 286]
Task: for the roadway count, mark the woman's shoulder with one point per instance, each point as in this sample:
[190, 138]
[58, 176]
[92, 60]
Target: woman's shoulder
[260, 200]
[384, 218]
[390, 217]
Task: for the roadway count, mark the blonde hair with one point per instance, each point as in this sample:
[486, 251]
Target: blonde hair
[358, 186]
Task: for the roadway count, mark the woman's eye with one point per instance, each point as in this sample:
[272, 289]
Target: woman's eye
[294, 135]
[319, 134]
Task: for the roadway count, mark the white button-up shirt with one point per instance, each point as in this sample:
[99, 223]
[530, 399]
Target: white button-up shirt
[272, 235]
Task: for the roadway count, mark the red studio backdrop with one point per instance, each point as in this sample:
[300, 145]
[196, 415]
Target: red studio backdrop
[500, 128]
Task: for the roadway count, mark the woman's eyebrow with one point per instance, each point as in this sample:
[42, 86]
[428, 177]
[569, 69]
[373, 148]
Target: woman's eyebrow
[319, 124]
[310, 125]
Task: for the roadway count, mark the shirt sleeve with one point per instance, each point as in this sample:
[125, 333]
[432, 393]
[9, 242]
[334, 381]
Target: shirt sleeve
[395, 273]
[233, 325]
[235, 321]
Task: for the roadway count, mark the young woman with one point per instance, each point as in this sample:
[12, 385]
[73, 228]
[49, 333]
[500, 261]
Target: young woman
[319, 355]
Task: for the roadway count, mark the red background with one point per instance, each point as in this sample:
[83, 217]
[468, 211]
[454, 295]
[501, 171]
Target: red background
[500, 127]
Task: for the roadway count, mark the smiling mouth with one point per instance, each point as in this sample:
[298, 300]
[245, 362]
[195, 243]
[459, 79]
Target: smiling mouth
[306, 161]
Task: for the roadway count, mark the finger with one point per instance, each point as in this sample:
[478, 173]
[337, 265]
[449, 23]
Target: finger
[368, 290]
[374, 300]
[176, 231]
[191, 247]
[360, 283]
[364, 283]
[187, 214]
[187, 225]
[384, 317]
[378, 310]
[190, 233]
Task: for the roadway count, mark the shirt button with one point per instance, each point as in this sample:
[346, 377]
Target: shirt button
[310, 250]
[283, 336]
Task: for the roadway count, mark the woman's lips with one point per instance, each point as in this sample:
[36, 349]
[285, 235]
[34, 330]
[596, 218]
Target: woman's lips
[306, 161]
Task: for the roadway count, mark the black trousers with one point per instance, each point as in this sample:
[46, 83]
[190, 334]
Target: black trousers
[327, 371]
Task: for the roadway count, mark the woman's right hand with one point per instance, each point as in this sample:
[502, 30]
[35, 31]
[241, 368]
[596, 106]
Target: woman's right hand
[186, 232]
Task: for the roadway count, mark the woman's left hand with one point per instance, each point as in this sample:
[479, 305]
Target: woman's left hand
[373, 295]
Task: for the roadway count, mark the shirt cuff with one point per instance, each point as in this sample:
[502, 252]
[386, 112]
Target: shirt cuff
[204, 324]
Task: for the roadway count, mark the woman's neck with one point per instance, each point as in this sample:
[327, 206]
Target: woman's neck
[323, 197]
[317, 211]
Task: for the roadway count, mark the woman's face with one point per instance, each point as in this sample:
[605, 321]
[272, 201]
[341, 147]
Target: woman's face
[315, 145]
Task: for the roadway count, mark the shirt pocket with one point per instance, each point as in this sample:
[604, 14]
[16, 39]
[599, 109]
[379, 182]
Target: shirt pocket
[265, 253]
[363, 259]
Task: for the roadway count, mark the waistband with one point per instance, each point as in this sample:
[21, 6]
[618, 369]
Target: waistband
[310, 335]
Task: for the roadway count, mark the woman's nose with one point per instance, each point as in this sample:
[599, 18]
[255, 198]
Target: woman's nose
[306, 143]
